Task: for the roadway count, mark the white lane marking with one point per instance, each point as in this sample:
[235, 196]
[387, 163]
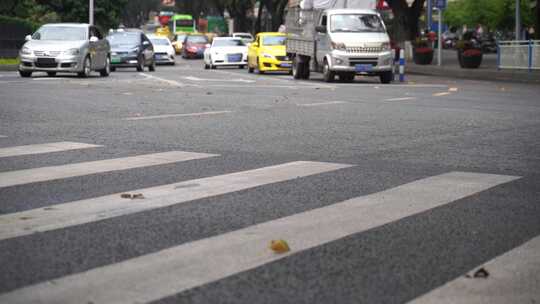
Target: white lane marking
[441, 94]
[167, 81]
[3, 136]
[44, 148]
[177, 115]
[375, 85]
[21, 177]
[400, 99]
[514, 277]
[193, 78]
[170, 271]
[48, 78]
[320, 103]
[283, 78]
[95, 209]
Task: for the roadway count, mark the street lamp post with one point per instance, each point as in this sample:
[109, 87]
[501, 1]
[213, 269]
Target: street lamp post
[91, 12]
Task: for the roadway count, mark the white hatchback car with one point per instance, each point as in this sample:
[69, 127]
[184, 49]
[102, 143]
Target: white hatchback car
[226, 51]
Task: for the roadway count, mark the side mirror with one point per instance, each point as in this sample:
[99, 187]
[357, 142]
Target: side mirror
[94, 39]
[28, 38]
[207, 45]
[146, 43]
[320, 28]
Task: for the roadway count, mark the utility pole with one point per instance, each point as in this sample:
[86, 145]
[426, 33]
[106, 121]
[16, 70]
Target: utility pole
[518, 20]
[91, 12]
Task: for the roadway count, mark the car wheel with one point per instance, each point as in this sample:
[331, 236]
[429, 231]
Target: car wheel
[152, 66]
[206, 66]
[386, 77]
[113, 69]
[107, 69]
[259, 67]
[140, 65]
[241, 67]
[328, 75]
[51, 74]
[25, 74]
[86, 68]
[348, 77]
[213, 67]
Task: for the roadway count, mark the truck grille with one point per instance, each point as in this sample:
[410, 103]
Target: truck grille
[47, 53]
[355, 61]
[364, 49]
[282, 58]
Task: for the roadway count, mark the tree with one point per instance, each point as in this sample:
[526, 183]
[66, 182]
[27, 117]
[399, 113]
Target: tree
[136, 12]
[107, 13]
[406, 18]
[494, 14]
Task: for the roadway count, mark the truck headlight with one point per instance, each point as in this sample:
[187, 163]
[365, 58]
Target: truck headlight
[268, 56]
[340, 46]
[385, 46]
[26, 51]
[72, 52]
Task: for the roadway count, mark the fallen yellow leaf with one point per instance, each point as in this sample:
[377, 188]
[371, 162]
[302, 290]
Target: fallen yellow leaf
[279, 246]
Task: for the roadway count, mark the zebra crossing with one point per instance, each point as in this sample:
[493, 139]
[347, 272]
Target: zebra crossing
[164, 273]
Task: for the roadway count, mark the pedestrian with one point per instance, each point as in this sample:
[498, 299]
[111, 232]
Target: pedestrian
[479, 31]
[531, 32]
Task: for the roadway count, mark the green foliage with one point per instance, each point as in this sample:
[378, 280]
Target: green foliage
[107, 14]
[495, 14]
[9, 61]
[27, 25]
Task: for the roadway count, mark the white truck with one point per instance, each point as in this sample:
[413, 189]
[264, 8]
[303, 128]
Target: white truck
[338, 37]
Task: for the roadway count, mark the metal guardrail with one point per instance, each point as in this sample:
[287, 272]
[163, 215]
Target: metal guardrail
[524, 54]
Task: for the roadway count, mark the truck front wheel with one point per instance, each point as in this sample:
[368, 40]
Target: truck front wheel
[328, 75]
[297, 68]
[386, 77]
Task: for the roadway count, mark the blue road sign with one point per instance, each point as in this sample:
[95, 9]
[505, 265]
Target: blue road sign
[440, 4]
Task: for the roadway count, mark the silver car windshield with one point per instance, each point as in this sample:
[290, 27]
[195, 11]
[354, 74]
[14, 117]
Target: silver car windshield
[356, 23]
[63, 33]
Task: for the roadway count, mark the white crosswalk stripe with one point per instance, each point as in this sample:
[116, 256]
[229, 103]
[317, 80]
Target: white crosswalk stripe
[21, 177]
[513, 278]
[3, 136]
[157, 275]
[44, 148]
[95, 209]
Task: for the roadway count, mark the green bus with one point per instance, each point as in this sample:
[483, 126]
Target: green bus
[180, 23]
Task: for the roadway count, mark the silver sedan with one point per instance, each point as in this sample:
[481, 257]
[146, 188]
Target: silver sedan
[65, 47]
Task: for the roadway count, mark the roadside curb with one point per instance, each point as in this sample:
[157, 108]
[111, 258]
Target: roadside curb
[9, 67]
[482, 74]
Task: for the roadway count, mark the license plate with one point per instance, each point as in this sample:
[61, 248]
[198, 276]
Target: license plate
[46, 60]
[115, 60]
[363, 67]
[285, 65]
[235, 58]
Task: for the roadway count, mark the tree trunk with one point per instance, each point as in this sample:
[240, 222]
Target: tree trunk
[405, 23]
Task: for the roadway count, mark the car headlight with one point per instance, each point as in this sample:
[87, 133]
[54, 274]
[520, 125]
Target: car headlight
[72, 52]
[267, 56]
[340, 46]
[385, 46]
[26, 51]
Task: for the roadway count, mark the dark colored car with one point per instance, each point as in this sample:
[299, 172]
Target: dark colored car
[194, 46]
[131, 49]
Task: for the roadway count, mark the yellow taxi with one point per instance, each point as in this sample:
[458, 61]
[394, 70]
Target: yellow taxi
[268, 54]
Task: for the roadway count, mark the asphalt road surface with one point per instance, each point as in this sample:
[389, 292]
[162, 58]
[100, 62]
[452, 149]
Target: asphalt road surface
[168, 187]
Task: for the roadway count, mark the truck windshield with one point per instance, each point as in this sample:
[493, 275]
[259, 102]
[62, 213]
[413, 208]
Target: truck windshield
[65, 33]
[274, 40]
[356, 23]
